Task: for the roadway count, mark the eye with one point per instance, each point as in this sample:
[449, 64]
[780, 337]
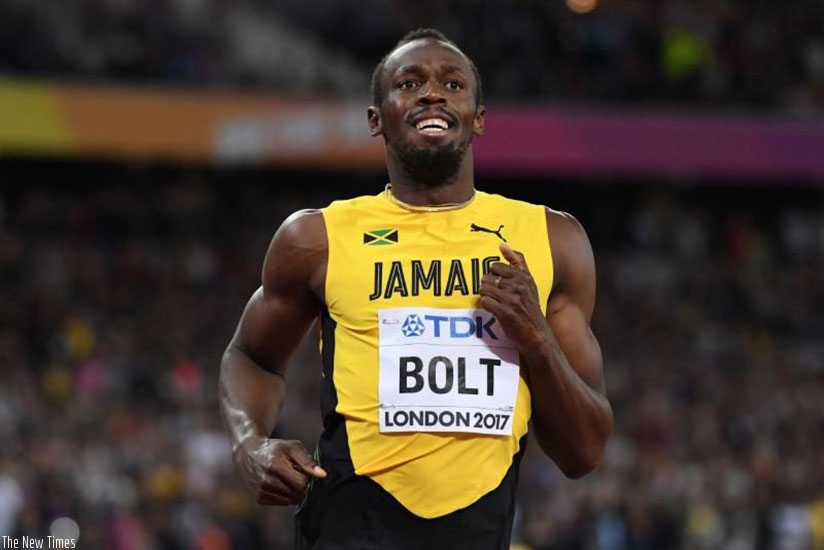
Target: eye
[407, 84]
[454, 85]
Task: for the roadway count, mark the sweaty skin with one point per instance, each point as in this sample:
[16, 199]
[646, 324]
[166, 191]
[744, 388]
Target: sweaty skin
[252, 384]
[562, 361]
[571, 416]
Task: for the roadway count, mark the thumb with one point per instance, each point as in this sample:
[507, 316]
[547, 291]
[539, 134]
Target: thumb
[515, 258]
[303, 461]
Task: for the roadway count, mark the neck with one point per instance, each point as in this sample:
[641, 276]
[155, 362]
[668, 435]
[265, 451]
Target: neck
[457, 189]
[434, 207]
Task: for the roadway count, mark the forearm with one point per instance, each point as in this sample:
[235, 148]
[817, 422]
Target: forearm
[250, 398]
[572, 420]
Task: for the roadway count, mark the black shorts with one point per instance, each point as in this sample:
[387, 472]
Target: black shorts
[355, 513]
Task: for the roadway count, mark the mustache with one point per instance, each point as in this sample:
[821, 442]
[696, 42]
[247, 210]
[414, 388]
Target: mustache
[428, 112]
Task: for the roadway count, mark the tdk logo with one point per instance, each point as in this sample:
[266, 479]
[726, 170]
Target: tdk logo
[453, 327]
[413, 326]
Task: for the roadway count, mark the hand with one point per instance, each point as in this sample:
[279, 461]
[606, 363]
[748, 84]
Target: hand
[277, 470]
[509, 292]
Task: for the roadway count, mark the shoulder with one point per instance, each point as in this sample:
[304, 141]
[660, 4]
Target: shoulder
[302, 228]
[571, 250]
[297, 253]
[303, 232]
[564, 226]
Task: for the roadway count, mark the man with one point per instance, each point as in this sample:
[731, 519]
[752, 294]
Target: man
[447, 322]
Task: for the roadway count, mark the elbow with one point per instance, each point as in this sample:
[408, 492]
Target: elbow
[582, 465]
[575, 463]
[575, 460]
[590, 456]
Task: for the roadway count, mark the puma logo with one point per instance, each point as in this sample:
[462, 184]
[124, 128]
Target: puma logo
[476, 227]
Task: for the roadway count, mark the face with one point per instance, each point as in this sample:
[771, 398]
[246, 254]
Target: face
[429, 115]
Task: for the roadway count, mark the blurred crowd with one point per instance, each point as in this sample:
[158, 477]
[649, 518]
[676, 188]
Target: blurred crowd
[731, 54]
[119, 294]
[710, 314]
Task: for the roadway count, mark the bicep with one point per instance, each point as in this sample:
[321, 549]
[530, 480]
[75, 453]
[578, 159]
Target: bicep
[572, 300]
[281, 311]
[271, 328]
[571, 328]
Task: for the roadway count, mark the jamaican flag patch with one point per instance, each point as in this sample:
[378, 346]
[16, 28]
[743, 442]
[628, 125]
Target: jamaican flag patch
[380, 236]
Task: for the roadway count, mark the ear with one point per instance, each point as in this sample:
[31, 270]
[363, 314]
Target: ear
[375, 124]
[478, 124]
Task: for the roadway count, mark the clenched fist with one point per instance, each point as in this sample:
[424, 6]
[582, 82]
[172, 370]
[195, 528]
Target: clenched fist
[276, 470]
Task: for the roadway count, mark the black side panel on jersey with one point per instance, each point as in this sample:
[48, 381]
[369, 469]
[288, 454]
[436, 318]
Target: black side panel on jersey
[333, 447]
[334, 444]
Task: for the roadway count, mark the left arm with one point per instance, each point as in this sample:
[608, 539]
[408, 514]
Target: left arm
[563, 366]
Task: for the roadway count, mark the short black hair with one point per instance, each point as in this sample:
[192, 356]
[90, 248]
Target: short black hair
[420, 34]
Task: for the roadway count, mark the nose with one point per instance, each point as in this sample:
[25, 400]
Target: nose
[431, 94]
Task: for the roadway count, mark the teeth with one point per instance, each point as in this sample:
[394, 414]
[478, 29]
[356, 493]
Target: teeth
[432, 122]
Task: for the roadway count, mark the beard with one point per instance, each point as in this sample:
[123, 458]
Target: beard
[431, 165]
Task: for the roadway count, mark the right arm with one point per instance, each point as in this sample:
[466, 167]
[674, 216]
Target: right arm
[252, 382]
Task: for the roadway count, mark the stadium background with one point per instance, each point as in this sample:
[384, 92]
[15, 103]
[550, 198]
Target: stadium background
[149, 150]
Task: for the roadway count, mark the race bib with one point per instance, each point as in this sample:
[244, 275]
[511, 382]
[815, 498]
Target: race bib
[446, 370]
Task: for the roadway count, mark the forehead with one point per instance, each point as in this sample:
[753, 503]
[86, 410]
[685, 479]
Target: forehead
[426, 52]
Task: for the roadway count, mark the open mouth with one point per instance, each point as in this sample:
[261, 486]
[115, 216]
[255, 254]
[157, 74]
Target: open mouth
[432, 126]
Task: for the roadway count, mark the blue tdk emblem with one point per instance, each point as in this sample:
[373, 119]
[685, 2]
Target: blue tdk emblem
[413, 326]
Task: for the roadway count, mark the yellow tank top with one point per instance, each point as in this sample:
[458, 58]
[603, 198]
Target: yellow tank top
[427, 383]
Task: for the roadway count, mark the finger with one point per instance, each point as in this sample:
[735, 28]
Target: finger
[287, 474]
[303, 461]
[282, 499]
[286, 487]
[504, 270]
[492, 305]
[515, 258]
[492, 285]
[274, 499]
